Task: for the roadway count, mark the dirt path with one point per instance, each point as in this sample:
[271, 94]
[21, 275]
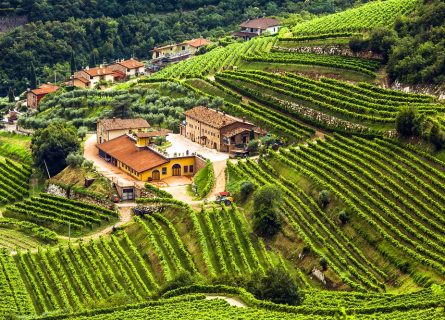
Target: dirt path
[181, 193]
[232, 301]
[220, 178]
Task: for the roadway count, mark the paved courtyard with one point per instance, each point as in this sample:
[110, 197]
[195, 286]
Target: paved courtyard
[180, 145]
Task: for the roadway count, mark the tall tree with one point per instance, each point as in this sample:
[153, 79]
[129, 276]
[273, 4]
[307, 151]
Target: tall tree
[73, 63]
[32, 76]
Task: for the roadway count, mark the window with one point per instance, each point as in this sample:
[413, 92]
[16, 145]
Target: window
[164, 170]
[191, 169]
[186, 169]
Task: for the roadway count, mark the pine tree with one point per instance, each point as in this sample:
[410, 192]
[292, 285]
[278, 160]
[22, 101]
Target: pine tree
[33, 77]
[73, 63]
[11, 97]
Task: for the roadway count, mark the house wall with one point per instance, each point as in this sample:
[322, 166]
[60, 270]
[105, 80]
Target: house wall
[195, 130]
[94, 80]
[128, 72]
[171, 49]
[273, 30]
[79, 84]
[182, 161]
[104, 135]
[32, 100]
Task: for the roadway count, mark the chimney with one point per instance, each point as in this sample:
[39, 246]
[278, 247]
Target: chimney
[101, 66]
[114, 119]
[244, 119]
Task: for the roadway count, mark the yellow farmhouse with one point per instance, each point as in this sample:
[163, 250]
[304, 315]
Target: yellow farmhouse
[132, 155]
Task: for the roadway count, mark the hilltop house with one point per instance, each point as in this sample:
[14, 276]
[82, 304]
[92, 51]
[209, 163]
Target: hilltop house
[132, 155]
[217, 130]
[33, 97]
[256, 27]
[89, 77]
[130, 68]
[179, 51]
[109, 129]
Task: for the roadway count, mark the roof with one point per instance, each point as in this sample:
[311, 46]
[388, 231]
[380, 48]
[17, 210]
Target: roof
[98, 71]
[244, 34]
[211, 117]
[124, 149]
[123, 124]
[45, 89]
[200, 42]
[261, 23]
[236, 131]
[166, 47]
[151, 134]
[81, 79]
[131, 64]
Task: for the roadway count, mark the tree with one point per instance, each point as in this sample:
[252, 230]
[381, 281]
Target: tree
[437, 137]
[75, 160]
[73, 67]
[324, 264]
[267, 222]
[358, 44]
[32, 77]
[406, 121]
[253, 146]
[11, 97]
[324, 198]
[266, 217]
[344, 217]
[277, 286]
[82, 132]
[52, 145]
[246, 189]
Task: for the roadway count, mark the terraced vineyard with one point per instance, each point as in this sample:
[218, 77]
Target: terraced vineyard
[298, 96]
[364, 18]
[61, 214]
[393, 195]
[14, 181]
[356, 64]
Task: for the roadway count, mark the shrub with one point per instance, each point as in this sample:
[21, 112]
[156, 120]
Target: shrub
[324, 264]
[344, 217]
[253, 146]
[277, 286]
[267, 222]
[246, 189]
[75, 160]
[324, 198]
[266, 197]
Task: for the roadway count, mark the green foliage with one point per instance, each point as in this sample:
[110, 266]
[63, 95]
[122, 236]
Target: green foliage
[204, 180]
[246, 190]
[324, 198]
[52, 145]
[344, 217]
[157, 192]
[323, 264]
[267, 220]
[253, 146]
[75, 159]
[407, 121]
[277, 286]
[418, 55]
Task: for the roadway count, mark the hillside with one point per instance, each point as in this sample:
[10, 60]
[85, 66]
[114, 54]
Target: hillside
[337, 183]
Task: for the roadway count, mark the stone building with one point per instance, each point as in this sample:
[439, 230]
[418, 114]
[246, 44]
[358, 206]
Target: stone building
[109, 129]
[217, 130]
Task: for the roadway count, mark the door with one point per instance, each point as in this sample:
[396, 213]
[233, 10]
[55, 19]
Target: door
[176, 169]
[155, 175]
[127, 194]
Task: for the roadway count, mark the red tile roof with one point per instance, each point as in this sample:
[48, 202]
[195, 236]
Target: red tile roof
[45, 89]
[123, 124]
[124, 149]
[131, 64]
[200, 42]
[98, 71]
[211, 117]
[261, 23]
[82, 79]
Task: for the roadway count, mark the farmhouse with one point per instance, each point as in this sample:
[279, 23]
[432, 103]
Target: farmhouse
[257, 27]
[217, 130]
[33, 97]
[180, 51]
[109, 129]
[132, 155]
[130, 68]
[89, 77]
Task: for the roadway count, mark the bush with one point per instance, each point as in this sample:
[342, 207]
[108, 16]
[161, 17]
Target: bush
[267, 222]
[277, 286]
[75, 160]
[246, 189]
[324, 264]
[344, 217]
[324, 198]
[266, 197]
[253, 146]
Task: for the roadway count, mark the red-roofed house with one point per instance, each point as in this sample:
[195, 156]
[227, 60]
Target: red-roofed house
[89, 77]
[33, 97]
[183, 49]
[256, 27]
[130, 68]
